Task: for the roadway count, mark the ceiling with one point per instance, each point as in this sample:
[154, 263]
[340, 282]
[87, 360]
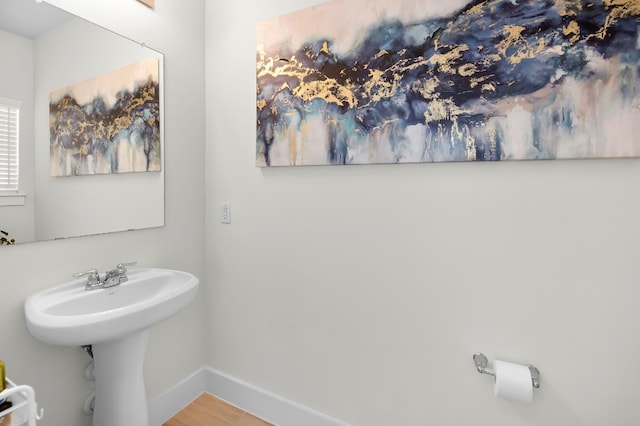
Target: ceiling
[29, 19]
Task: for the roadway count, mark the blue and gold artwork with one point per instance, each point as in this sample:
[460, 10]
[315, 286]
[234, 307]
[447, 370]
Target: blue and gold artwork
[107, 124]
[376, 81]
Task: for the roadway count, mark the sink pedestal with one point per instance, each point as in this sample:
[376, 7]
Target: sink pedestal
[120, 395]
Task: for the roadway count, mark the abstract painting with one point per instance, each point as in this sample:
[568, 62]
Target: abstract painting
[107, 124]
[379, 81]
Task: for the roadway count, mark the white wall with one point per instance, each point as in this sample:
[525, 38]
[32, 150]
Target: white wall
[16, 83]
[364, 291]
[176, 346]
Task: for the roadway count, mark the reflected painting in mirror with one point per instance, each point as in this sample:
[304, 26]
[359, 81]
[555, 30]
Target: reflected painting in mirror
[107, 124]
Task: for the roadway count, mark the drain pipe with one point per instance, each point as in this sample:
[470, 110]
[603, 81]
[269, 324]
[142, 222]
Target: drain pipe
[88, 349]
[89, 403]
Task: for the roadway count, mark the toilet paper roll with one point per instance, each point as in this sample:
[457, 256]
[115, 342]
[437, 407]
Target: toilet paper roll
[513, 381]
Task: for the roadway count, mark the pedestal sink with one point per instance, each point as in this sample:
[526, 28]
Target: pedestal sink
[115, 321]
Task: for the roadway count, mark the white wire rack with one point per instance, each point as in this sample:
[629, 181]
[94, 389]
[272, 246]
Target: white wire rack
[24, 410]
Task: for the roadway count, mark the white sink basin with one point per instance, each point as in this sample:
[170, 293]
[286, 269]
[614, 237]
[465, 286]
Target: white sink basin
[69, 315]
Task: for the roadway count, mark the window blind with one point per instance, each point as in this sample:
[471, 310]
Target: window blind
[9, 137]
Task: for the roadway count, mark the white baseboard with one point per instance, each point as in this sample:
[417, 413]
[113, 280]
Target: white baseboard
[264, 404]
[175, 399]
[259, 402]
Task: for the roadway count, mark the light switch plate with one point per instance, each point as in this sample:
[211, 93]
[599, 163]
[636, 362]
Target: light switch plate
[225, 213]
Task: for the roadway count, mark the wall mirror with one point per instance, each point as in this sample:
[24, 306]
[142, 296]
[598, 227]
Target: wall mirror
[44, 49]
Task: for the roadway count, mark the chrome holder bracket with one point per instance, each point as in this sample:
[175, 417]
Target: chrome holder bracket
[482, 365]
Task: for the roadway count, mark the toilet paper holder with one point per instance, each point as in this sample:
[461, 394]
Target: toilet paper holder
[481, 362]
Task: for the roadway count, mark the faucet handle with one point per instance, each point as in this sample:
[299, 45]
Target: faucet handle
[125, 265]
[90, 272]
[93, 276]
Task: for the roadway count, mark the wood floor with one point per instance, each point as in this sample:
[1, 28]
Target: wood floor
[208, 410]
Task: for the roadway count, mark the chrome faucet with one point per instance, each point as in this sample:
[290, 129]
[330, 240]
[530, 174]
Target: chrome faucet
[111, 278]
[117, 276]
[93, 279]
